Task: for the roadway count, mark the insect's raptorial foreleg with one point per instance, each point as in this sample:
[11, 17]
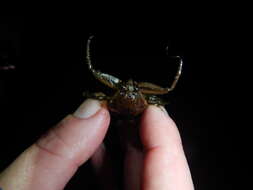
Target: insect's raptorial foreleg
[88, 59]
[149, 88]
[107, 79]
[96, 95]
[178, 74]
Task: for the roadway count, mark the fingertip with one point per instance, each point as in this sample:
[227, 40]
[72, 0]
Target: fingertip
[89, 108]
[55, 157]
[157, 128]
[165, 165]
[76, 138]
[67, 146]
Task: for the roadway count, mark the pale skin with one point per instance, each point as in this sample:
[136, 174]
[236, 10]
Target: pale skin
[55, 157]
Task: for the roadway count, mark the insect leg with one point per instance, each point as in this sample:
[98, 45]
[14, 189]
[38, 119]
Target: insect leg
[178, 74]
[88, 59]
[106, 79]
[154, 100]
[96, 95]
[149, 88]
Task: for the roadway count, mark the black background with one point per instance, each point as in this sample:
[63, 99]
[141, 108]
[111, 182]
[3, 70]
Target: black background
[50, 76]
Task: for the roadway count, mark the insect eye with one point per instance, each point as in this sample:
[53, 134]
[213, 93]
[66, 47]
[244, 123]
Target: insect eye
[131, 96]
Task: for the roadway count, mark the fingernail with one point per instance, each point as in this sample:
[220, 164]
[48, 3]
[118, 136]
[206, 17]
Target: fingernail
[164, 110]
[88, 108]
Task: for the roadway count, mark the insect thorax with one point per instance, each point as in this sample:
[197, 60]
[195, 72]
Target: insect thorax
[128, 100]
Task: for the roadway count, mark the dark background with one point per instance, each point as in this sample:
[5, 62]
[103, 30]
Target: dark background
[50, 76]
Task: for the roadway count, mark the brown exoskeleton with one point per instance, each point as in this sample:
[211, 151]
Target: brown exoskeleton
[131, 98]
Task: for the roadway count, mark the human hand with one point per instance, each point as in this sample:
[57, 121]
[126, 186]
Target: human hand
[54, 158]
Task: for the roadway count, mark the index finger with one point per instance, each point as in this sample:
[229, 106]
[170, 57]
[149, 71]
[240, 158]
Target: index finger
[165, 165]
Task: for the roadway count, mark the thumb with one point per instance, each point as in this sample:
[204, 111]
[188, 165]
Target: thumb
[55, 157]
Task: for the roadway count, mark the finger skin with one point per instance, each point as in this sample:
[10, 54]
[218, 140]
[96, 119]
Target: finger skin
[102, 165]
[53, 160]
[165, 166]
[133, 167]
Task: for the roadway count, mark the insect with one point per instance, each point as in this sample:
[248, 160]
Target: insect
[131, 98]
